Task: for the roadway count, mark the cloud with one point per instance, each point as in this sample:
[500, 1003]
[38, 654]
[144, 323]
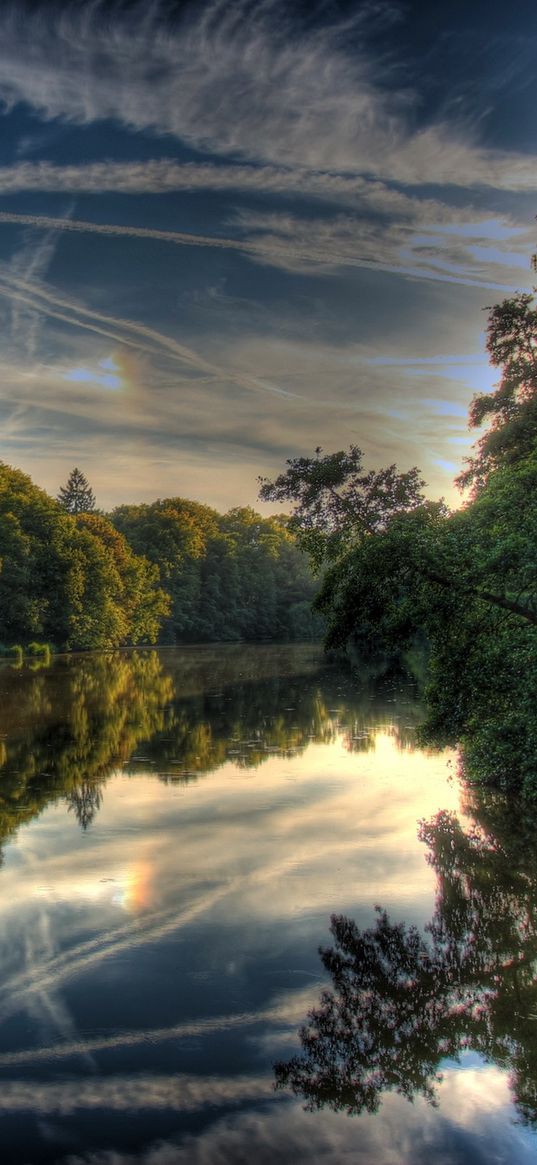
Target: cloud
[43, 222]
[166, 175]
[42, 976]
[313, 245]
[481, 240]
[129, 332]
[288, 1011]
[182, 404]
[266, 842]
[297, 243]
[30, 263]
[124, 1093]
[473, 1125]
[245, 81]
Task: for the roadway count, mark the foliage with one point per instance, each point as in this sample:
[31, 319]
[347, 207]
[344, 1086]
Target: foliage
[512, 408]
[69, 580]
[236, 576]
[336, 503]
[405, 574]
[128, 590]
[39, 651]
[175, 570]
[76, 496]
[376, 595]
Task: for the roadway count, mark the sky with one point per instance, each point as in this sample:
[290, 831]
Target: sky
[233, 231]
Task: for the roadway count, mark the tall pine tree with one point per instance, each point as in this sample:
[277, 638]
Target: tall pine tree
[77, 496]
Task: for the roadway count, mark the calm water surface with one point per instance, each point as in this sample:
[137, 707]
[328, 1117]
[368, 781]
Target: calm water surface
[177, 829]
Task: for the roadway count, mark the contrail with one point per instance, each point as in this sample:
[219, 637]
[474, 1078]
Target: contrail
[60, 968]
[181, 238]
[288, 1012]
[136, 933]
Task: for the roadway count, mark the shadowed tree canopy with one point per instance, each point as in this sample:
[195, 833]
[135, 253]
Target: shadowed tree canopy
[337, 503]
[77, 496]
[230, 576]
[457, 590]
[511, 411]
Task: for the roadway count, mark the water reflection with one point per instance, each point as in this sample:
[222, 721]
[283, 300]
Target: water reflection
[63, 731]
[158, 960]
[402, 1002]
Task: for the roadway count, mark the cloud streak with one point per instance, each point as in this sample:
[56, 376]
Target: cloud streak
[289, 1013]
[304, 245]
[132, 1093]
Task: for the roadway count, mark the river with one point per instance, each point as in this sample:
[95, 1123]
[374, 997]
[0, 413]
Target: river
[177, 829]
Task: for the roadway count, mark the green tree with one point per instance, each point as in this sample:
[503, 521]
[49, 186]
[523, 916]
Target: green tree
[133, 588]
[73, 581]
[173, 533]
[230, 577]
[511, 411]
[77, 496]
[337, 503]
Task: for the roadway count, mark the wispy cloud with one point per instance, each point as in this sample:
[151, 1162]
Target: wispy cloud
[473, 1118]
[301, 244]
[124, 1093]
[166, 175]
[180, 238]
[287, 1013]
[305, 244]
[30, 263]
[244, 81]
[129, 332]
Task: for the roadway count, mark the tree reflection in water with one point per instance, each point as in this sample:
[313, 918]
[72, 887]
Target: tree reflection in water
[65, 730]
[400, 1003]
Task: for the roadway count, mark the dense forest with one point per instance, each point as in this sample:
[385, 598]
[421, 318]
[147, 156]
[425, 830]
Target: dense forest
[171, 572]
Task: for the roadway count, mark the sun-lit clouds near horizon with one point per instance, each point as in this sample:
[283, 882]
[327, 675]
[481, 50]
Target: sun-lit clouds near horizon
[281, 225]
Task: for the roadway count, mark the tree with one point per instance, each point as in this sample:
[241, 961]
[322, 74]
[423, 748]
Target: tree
[173, 533]
[231, 576]
[71, 580]
[130, 587]
[512, 409]
[337, 504]
[77, 496]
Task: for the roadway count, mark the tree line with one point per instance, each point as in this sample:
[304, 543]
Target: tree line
[172, 571]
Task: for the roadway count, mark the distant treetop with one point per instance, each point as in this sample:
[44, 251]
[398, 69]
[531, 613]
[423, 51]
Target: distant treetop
[77, 496]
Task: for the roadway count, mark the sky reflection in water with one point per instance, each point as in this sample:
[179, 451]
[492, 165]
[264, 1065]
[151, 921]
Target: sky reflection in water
[177, 830]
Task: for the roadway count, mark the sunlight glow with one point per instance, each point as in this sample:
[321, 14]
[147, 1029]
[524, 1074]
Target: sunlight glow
[133, 893]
